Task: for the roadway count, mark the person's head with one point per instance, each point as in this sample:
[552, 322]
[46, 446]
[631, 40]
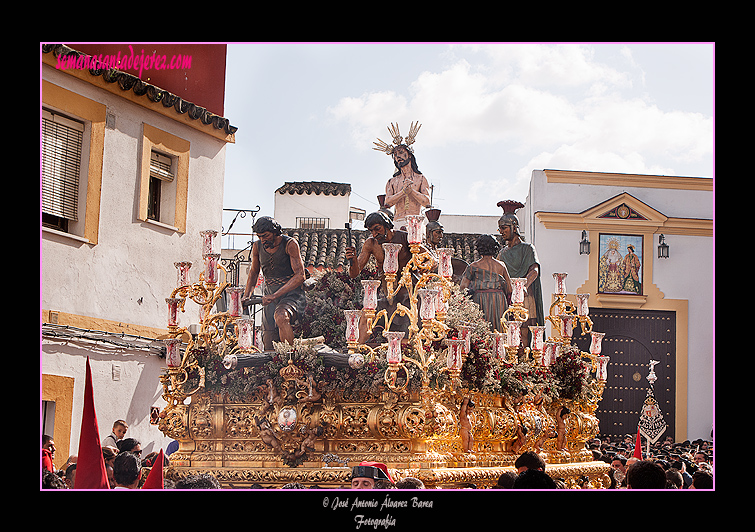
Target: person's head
[119, 429]
[379, 225]
[702, 480]
[700, 457]
[506, 480]
[110, 475]
[267, 230]
[402, 156]
[534, 479]
[619, 462]
[508, 224]
[126, 470]
[434, 233]
[487, 246]
[674, 479]
[365, 475]
[51, 481]
[410, 483]
[529, 460]
[49, 444]
[202, 481]
[131, 445]
[646, 474]
[70, 477]
[109, 454]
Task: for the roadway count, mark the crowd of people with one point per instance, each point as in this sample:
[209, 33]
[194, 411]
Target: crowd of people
[663, 465]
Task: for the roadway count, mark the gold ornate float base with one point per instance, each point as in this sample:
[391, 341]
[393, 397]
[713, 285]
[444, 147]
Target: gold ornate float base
[316, 441]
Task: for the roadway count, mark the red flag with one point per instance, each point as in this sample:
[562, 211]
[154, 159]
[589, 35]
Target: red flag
[90, 467]
[638, 446]
[155, 477]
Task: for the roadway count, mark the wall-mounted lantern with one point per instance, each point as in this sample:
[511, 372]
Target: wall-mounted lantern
[662, 247]
[584, 245]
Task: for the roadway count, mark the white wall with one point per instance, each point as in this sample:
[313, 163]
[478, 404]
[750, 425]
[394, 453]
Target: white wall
[290, 206]
[686, 275]
[470, 224]
[128, 274]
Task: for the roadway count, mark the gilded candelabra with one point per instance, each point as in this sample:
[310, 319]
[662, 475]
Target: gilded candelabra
[427, 298]
[227, 331]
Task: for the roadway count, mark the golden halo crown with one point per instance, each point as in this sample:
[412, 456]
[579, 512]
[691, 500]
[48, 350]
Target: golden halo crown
[398, 140]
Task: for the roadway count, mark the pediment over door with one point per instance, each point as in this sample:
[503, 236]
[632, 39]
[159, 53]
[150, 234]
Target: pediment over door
[625, 213]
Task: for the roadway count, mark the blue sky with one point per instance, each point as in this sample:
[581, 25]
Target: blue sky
[490, 113]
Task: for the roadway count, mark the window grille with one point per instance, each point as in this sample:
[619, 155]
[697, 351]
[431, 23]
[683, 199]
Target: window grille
[312, 223]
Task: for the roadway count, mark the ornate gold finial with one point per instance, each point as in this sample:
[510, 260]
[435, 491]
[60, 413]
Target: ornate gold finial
[393, 129]
[291, 372]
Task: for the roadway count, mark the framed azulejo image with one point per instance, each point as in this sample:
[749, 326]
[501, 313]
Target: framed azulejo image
[620, 264]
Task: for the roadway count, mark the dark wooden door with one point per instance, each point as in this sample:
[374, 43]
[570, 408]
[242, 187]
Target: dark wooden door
[633, 338]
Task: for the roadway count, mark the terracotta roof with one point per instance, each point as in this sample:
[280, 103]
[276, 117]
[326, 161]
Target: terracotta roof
[325, 248]
[315, 187]
[129, 82]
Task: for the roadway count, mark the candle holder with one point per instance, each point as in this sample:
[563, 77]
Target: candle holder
[601, 372]
[428, 303]
[182, 268]
[445, 268]
[465, 334]
[596, 343]
[390, 266]
[245, 334]
[414, 228]
[549, 352]
[172, 354]
[370, 290]
[174, 305]
[211, 268]
[395, 360]
[352, 327]
[441, 300]
[517, 294]
[537, 342]
[514, 338]
[560, 279]
[566, 327]
[235, 307]
[583, 311]
[455, 358]
[499, 346]
[208, 241]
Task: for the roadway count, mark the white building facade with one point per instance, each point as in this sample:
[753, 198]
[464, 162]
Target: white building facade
[106, 271]
[666, 315]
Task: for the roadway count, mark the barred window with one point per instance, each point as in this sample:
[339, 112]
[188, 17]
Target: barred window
[312, 223]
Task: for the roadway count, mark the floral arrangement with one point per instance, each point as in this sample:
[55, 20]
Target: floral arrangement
[330, 292]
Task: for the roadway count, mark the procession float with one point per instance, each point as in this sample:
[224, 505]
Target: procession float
[308, 412]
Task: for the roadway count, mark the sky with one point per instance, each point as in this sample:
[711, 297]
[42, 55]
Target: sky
[490, 114]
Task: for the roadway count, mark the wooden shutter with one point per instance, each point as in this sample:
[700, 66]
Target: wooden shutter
[61, 164]
[160, 167]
